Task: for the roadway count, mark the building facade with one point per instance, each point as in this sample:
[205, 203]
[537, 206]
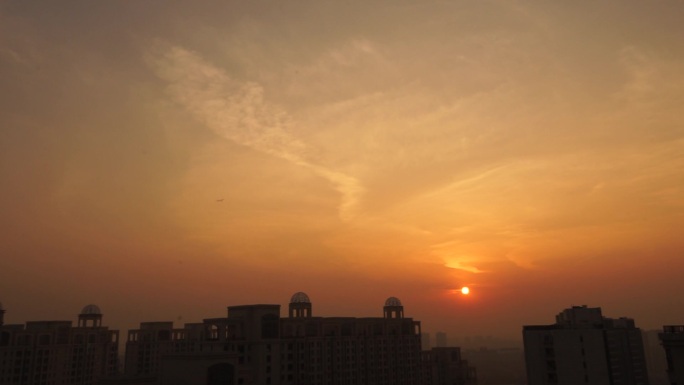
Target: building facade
[655, 357]
[672, 339]
[254, 345]
[445, 366]
[56, 352]
[583, 347]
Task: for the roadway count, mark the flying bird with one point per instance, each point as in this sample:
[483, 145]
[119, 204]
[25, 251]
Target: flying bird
[220, 200]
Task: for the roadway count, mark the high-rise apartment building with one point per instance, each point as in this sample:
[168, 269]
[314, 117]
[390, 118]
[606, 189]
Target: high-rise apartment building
[672, 339]
[583, 347]
[254, 345]
[445, 366]
[56, 352]
[655, 358]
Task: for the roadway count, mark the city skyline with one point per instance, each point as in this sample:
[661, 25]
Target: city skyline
[249, 344]
[442, 338]
[165, 159]
[577, 327]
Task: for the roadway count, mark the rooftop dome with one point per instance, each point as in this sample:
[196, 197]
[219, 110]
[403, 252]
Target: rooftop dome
[393, 301]
[91, 310]
[300, 297]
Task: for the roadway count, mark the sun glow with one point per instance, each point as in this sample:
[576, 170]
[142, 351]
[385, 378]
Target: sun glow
[465, 290]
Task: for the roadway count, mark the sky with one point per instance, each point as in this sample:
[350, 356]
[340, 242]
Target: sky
[166, 159]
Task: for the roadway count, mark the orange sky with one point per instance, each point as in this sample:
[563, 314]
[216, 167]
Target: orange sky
[165, 159]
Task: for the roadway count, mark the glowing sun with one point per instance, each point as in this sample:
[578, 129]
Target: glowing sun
[465, 290]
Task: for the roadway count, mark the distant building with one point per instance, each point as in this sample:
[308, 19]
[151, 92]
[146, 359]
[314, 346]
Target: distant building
[498, 366]
[425, 342]
[583, 347]
[444, 366]
[254, 345]
[56, 352]
[441, 340]
[655, 358]
[672, 339]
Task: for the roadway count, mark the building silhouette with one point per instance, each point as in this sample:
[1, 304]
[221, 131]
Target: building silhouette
[444, 366]
[498, 366]
[655, 358]
[56, 352]
[672, 339]
[583, 347]
[425, 341]
[441, 339]
[254, 345]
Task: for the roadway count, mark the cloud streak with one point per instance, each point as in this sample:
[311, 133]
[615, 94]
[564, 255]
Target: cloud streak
[238, 112]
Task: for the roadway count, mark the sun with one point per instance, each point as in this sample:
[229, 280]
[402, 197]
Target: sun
[465, 290]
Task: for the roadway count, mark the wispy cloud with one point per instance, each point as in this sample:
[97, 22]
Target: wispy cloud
[448, 252]
[237, 111]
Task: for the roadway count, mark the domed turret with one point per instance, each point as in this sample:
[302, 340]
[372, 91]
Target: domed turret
[300, 297]
[300, 305]
[393, 308]
[91, 309]
[393, 301]
[91, 315]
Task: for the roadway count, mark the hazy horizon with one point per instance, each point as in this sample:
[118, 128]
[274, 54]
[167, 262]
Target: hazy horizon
[163, 159]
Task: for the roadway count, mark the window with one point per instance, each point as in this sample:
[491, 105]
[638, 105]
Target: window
[221, 374]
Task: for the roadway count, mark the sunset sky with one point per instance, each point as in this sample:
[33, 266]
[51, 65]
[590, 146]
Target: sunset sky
[166, 159]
